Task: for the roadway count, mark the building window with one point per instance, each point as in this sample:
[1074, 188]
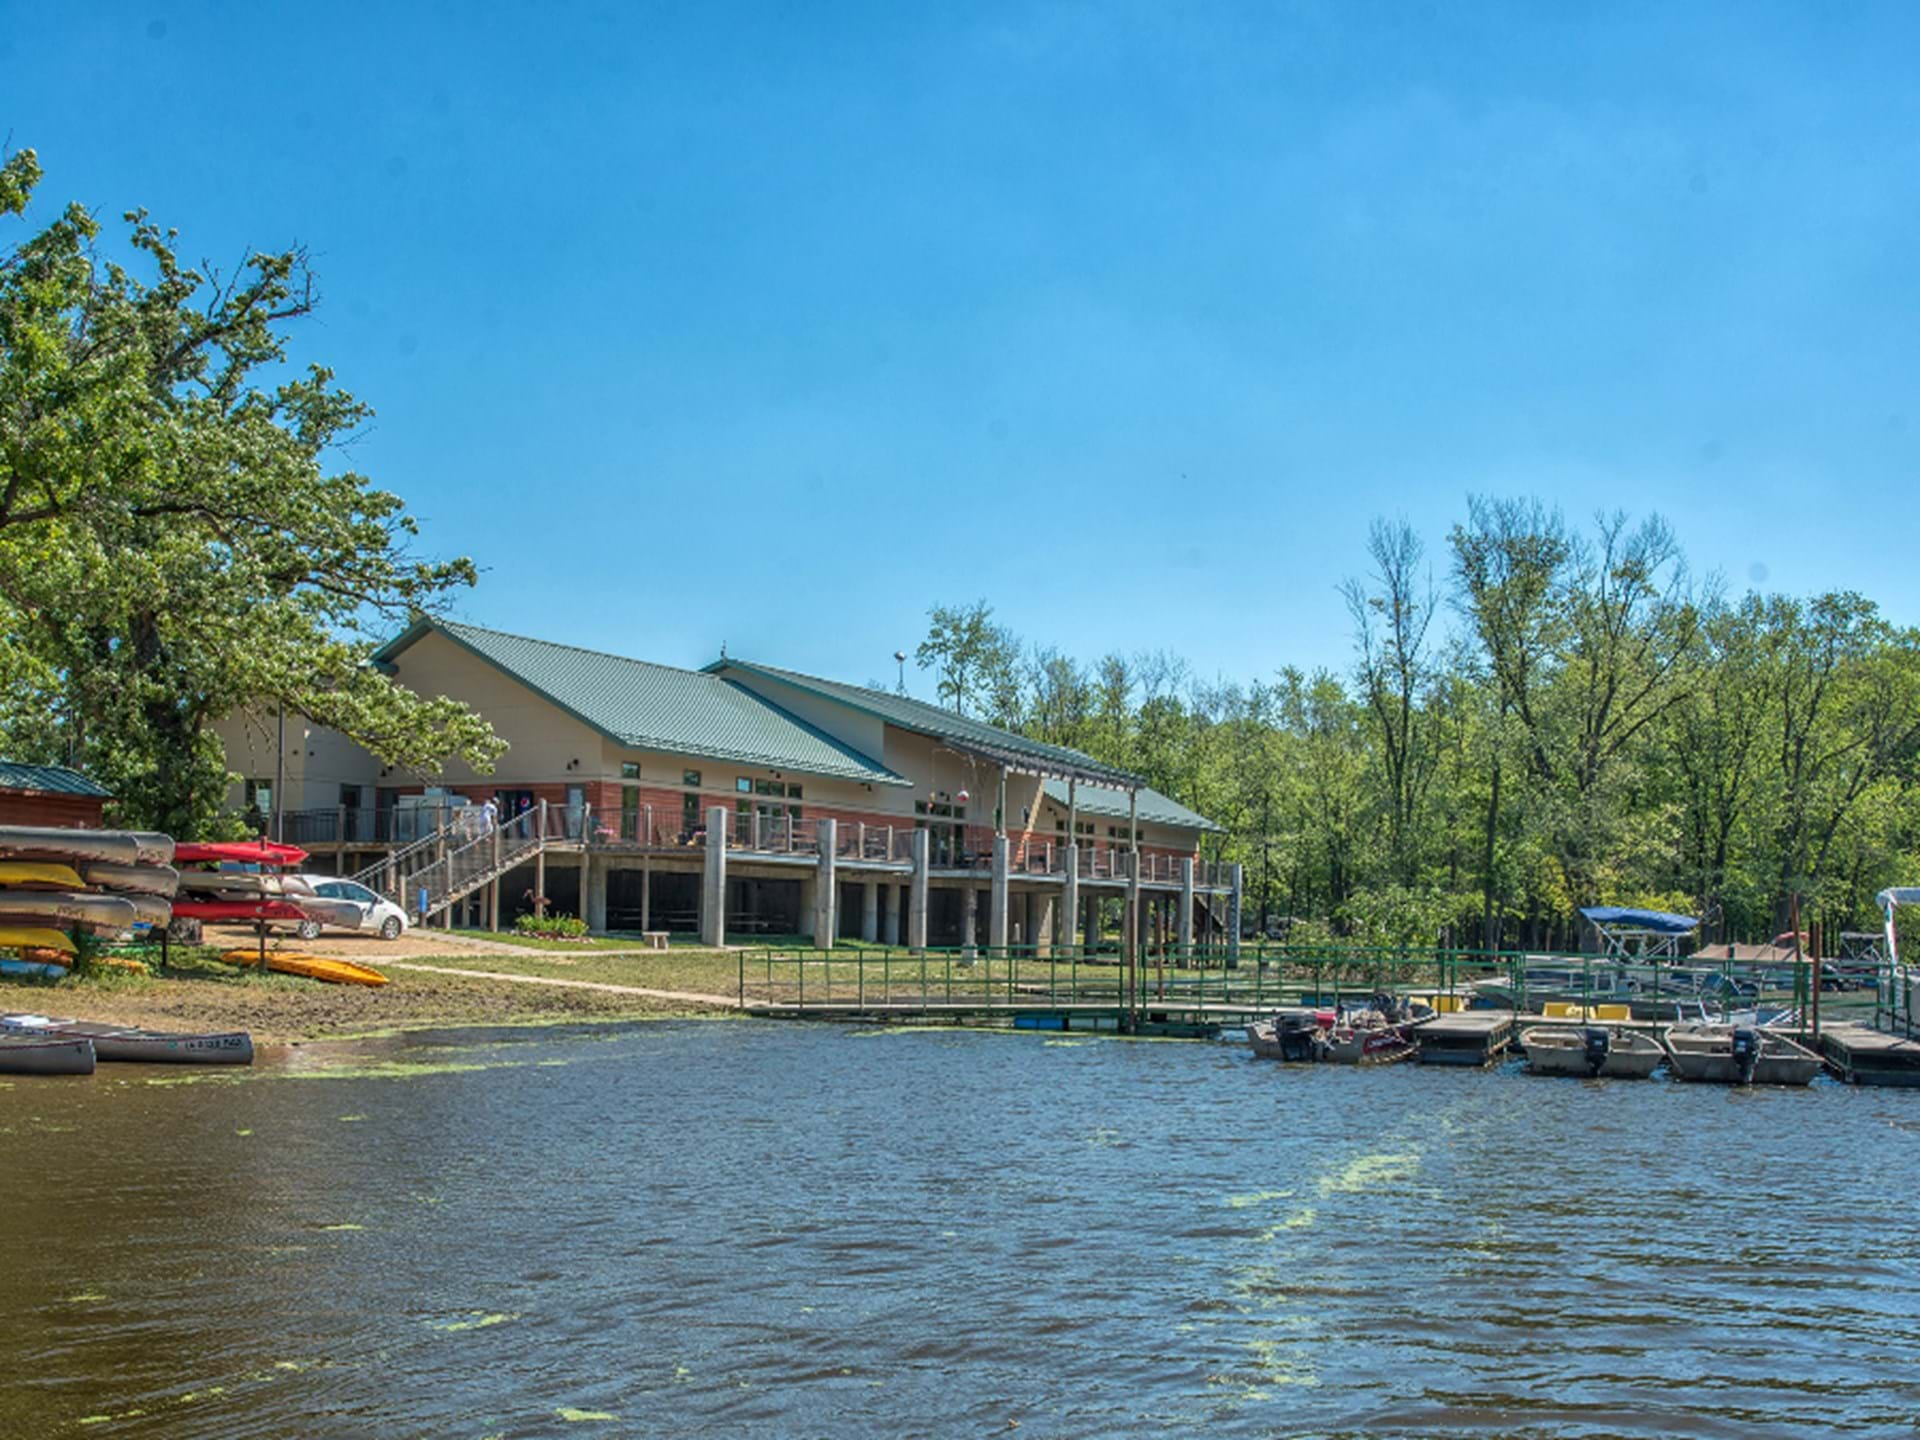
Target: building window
[945, 824]
[629, 769]
[690, 778]
[689, 814]
[743, 785]
[630, 813]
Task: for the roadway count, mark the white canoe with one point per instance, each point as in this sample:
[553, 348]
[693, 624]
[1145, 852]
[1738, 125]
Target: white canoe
[126, 1043]
[161, 880]
[45, 1055]
[103, 912]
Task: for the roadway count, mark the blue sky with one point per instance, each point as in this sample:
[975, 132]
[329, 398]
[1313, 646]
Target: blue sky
[774, 324]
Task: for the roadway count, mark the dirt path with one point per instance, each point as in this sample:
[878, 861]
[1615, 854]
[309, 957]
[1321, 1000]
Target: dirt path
[691, 997]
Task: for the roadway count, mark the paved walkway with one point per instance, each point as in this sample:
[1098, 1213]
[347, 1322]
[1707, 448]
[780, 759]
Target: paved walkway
[692, 997]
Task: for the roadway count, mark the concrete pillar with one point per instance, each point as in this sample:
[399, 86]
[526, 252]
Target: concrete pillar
[581, 902]
[809, 901]
[646, 895]
[1130, 932]
[1040, 913]
[826, 888]
[493, 904]
[1233, 916]
[890, 928]
[870, 910]
[969, 919]
[1070, 899]
[997, 900]
[713, 894]
[1184, 925]
[595, 875]
[539, 879]
[917, 894]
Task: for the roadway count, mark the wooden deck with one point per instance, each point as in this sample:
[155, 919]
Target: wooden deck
[1861, 1055]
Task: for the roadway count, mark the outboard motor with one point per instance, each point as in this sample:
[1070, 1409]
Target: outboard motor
[1387, 1006]
[1746, 1052]
[1597, 1043]
[1297, 1034]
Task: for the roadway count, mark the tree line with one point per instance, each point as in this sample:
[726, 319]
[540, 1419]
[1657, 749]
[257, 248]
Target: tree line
[1537, 716]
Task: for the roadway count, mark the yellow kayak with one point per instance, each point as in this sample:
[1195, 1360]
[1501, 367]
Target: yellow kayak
[314, 967]
[40, 872]
[30, 937]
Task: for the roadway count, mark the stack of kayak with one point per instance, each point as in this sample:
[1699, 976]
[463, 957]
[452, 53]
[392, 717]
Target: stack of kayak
[42, 1045]
[56, 883]
[240, 882]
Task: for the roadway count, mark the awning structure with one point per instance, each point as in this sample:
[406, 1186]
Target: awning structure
[1631, 934]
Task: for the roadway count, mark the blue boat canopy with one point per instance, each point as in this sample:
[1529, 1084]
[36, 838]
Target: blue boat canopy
[1658, 921]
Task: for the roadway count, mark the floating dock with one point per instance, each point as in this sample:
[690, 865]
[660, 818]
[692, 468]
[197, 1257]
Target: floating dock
[1861, 1055]
[1464, 1037]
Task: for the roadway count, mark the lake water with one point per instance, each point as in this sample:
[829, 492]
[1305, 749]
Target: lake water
[713, 1229]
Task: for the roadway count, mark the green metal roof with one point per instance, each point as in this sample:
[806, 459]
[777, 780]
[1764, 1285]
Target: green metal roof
[54, 779]
[1155, 808]
[657, 707]
[925, 719]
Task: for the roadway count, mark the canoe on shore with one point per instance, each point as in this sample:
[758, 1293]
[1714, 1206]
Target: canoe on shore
[161, 880]
[238, 852]
[45, 874]
[314, 967]
[52, 907]
[37, 969]
[45, 1055]
[241, 910]
[131, 1044]
[34, 842]
[35, 937]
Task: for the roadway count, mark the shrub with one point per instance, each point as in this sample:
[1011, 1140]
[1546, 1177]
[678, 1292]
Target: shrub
[551, 927]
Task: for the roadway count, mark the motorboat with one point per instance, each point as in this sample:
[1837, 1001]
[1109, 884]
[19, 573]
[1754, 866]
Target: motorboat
[1610, 1052]
[1739, 1055]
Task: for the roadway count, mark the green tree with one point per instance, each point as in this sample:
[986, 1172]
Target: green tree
[976, 663]
[174, 542]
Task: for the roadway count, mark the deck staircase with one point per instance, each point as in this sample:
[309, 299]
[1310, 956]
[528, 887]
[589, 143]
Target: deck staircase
[457, 859]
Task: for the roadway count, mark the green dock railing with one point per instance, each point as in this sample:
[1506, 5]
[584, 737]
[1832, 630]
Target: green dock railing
[1260, 978]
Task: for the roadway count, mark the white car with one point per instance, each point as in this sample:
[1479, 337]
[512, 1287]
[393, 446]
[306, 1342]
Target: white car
[349, 905]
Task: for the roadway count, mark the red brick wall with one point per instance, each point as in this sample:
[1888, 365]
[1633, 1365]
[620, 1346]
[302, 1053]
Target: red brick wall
[34, 807]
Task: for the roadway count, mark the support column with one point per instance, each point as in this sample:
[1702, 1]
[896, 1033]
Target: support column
[540, 881]
[580, 900]
[826, 888]
[596, 876]
[1040, 913]
[1130, 936]
[1070, 899]
[870, 911]
[713, 895]
[493, 904]
[1233, 918]
[917, 894]
[646, 895]
[998, 899]
[969, 919]
[1184, 926]
[890, 926]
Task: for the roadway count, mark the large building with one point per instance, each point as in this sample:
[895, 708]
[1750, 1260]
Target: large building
[839, 811]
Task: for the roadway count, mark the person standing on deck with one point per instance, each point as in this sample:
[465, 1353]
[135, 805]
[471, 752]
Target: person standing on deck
[489, 816]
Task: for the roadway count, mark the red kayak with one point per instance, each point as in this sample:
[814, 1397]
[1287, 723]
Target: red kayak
[239, 852]
[237, 910]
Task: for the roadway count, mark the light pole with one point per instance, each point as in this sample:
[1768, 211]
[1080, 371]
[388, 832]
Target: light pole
[900, 657]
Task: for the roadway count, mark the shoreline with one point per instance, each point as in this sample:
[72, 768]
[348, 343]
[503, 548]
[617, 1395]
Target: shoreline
[432, 984]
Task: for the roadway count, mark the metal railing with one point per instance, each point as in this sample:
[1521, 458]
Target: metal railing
[1199, 980]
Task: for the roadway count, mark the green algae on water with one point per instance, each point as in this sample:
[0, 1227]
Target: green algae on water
[573, 1416]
